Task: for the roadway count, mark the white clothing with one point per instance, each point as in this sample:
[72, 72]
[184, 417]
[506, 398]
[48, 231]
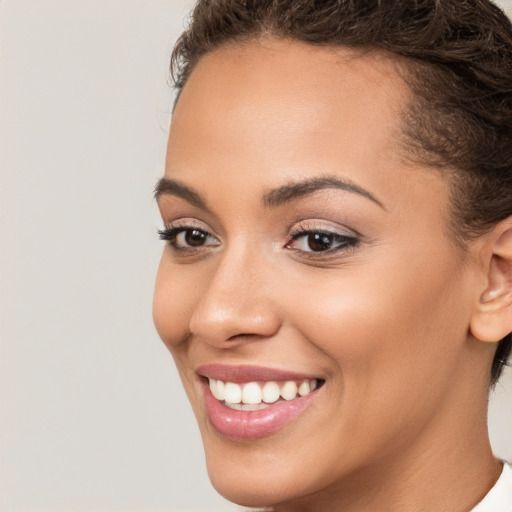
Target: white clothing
[499, 498]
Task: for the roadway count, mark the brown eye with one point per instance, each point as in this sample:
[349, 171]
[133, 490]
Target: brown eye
[191, 238]
[183, 238]
[319, 241]
[195, 237]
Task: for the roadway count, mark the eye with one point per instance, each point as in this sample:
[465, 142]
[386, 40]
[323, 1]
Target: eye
[187, 238]
[321, 241]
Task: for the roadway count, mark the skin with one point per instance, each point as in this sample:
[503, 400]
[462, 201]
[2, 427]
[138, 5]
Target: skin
[400, 423]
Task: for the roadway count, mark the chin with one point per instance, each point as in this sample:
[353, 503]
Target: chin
[255, 489]
[256, 477]
[246, 496]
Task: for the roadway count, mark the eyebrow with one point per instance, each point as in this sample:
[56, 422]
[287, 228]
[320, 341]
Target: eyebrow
[294, 190]
[273, 198]
[166, 186]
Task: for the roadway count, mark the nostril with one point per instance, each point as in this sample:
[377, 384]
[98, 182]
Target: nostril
[246, 337]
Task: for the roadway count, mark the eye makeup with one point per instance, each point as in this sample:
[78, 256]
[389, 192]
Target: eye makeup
[313, 241]
[319, 242]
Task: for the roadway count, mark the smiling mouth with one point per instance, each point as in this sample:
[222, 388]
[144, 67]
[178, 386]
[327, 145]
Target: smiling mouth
[251, 402]
[257, 395]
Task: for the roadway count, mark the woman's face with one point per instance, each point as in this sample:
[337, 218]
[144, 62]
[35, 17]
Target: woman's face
[304, 247]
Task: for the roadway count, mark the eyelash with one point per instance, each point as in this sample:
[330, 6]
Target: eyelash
[345, 242]
[169, 234]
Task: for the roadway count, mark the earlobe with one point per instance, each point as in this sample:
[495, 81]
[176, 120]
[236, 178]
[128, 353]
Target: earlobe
[492, 318]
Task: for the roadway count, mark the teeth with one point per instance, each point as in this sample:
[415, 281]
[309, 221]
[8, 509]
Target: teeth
[246, 407]
[249, 396]
[232, 393]
[289, 390]
[304, 388]
[271, 392]
[217, 388]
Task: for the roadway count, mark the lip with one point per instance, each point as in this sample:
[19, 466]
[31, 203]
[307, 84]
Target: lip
[247, 373]
[247, 425]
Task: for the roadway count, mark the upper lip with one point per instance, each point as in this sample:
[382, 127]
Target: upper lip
[248, 373]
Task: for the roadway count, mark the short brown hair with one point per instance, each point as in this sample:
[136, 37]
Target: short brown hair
[458, 61]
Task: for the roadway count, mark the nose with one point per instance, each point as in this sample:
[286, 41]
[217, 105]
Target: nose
[237, 306]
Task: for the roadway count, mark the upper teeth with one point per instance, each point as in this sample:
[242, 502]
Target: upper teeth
[252, 393]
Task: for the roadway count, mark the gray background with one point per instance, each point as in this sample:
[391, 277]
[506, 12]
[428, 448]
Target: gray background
[92, 415]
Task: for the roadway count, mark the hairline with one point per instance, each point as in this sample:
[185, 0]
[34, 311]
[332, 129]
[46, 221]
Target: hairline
[407, 69]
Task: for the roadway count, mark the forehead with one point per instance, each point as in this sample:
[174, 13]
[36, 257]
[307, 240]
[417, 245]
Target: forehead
[255, 115]
[271, 69]
[270, 98]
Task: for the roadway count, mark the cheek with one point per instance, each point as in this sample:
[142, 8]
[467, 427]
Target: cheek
[388, 324]
[391, 339]
[173, 303]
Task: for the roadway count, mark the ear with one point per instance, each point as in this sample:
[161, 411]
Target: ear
[492, 318]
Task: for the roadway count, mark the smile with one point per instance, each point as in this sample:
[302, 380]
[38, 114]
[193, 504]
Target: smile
[251, 402]
[253, 396]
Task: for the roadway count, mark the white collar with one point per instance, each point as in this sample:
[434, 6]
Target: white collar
[499, 498]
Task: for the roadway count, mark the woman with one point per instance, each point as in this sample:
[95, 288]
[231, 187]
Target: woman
[336, 290]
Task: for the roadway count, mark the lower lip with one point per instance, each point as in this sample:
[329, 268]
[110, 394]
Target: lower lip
[238, 424]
